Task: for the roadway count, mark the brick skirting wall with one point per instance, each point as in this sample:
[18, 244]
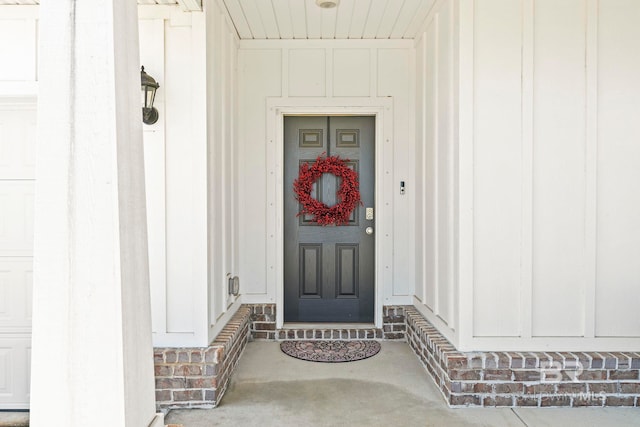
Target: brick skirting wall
[198, 377]
[513, 379]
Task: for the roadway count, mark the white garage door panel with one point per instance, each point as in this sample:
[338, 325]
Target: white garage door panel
[17, 144]
[16, 284]
[16, 218]
[6, 368]
[15, 353]
[17, 154]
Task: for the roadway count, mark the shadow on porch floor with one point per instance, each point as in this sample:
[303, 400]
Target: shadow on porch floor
[391, 388]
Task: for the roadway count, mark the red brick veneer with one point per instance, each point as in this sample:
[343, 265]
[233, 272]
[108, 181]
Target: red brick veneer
[263, 327]
[524, 378]
[198, 377]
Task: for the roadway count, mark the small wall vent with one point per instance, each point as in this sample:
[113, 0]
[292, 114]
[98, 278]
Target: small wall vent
[234, 285]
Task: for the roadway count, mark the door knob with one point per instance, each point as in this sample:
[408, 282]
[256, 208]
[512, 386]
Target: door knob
[368, 230]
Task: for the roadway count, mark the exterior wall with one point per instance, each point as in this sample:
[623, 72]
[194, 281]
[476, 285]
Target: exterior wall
[524, 379]
[436, 165]
[190, 163]
[190, 159]
[530, 98]
[198, 377]
[547, 193]
[172, 51]
[324, 74]
[222, 158]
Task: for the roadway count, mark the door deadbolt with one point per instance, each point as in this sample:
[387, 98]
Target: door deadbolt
[368, 215]
[369, 230]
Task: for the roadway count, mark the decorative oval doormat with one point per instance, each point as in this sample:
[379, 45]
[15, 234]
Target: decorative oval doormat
[330, 351]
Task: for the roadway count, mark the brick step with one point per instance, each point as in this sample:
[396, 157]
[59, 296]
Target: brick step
[330, 334]
[263, 327]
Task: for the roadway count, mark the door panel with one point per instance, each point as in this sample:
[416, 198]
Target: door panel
[329, 270]
[17, 146]
[16, 217]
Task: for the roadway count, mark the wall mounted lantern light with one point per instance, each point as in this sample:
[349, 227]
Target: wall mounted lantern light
[149, 87]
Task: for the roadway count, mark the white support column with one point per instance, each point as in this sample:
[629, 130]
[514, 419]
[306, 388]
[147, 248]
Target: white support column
[92, 360]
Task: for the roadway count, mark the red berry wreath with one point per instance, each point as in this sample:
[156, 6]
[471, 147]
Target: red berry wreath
[348, 194]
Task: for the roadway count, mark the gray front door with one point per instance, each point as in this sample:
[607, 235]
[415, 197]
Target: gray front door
[328, 270]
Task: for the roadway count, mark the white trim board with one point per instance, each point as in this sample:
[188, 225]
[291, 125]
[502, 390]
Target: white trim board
[382, 109]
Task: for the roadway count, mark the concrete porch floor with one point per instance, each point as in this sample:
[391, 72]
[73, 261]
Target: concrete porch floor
[392, 388]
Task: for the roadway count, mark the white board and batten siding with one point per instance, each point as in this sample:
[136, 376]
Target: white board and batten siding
[190, 159]
[187, 202]
[323, 74]
[548, 207]
[175, 207]
[435, 164]
[514, 127]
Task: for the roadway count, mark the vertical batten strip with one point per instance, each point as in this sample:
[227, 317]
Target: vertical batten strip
[421, 170]
[217, 192]
[232, 64]
[591, 167]
[452, 165]
[285, 72]
[423, 165]
[464, 323]
[526, 277]
[224, 165]
[436, 137]
[373, 67]
[274, 208]
[329, 72]
[152, 42]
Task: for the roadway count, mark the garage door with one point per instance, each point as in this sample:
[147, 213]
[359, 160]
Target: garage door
[17, 143]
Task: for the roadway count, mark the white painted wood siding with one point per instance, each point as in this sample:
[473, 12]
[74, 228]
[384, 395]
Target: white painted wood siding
[436, 165]
[175, 167]
[191, 170]
[326, 71]
[222, 165]
[497, 155]
[519, 158]
[553, 135]
[615, 154]
[186, 206]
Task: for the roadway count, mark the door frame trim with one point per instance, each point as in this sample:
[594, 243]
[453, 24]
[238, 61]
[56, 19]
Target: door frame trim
[382, 110]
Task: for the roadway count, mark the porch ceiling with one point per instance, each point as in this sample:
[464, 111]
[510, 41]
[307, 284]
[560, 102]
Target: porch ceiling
[32, 2]
[303, 19]
[352, 19]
